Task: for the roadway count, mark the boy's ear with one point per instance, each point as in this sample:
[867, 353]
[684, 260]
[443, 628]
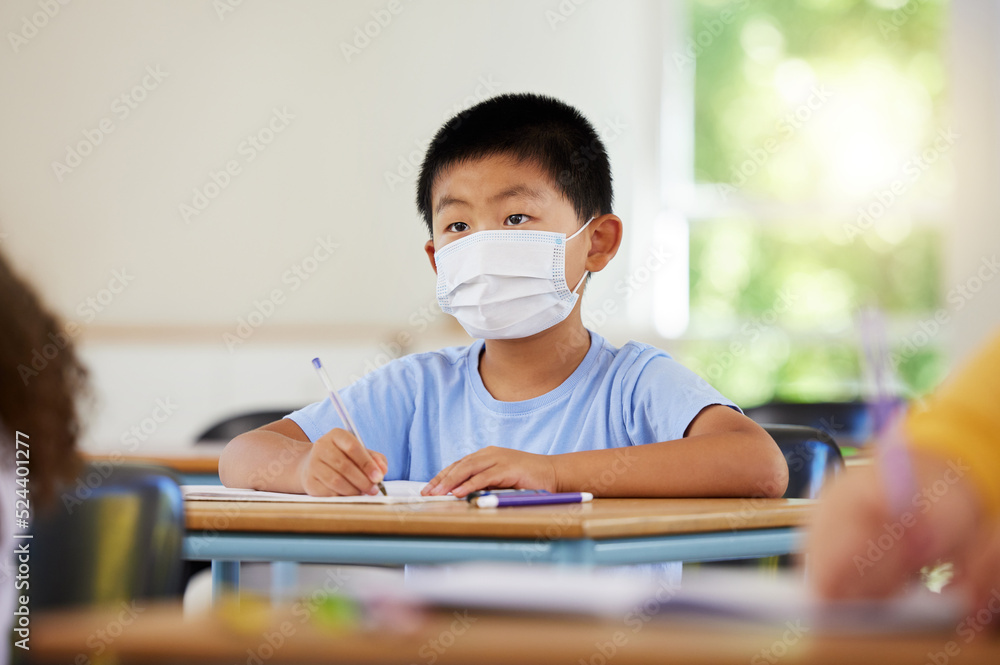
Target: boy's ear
[605, 240]
[429, 248]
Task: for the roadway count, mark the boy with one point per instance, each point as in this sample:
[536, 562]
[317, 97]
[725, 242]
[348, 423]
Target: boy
[516, 193]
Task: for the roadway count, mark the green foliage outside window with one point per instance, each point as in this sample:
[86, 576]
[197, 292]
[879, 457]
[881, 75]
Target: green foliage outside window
[820, 139]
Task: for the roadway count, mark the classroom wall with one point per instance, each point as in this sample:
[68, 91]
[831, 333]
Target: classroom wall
[972, 281]
[116, 114]
[175, 172]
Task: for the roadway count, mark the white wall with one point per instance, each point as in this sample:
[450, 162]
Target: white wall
[323, 176]
[972, 281]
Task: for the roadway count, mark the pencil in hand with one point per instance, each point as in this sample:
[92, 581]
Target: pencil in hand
[340, 409]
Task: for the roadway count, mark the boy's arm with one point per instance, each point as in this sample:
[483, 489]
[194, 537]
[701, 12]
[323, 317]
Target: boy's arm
[279, 457]
[724, 453]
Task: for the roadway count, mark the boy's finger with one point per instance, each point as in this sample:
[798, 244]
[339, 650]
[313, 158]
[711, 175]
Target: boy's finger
[335, 463]
[445, 481]
[358, 454]
[324, 481]
[381, 460]
[345, 476]
[437, 479]
[460, 472]
[480, 481]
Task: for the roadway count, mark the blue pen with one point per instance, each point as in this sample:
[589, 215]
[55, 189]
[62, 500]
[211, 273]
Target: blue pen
[512, 500]
[339, 407]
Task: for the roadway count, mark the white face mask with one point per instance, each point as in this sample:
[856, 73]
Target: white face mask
[506, 284]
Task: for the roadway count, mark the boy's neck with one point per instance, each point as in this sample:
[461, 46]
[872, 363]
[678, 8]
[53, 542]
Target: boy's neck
[519, 369]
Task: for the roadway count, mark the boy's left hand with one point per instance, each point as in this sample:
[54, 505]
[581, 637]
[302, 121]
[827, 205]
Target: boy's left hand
[497, 468]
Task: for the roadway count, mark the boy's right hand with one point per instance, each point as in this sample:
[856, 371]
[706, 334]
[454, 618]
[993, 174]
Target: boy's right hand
[338, 465]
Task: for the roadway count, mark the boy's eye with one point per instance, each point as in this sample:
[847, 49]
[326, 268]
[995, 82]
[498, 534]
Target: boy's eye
[515, 220]
[457, 227]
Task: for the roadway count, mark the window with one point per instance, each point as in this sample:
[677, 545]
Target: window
[820, 179]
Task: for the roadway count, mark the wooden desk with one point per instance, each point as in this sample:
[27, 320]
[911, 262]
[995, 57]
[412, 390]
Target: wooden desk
[603, 533]
[196, 464]
[159, 633]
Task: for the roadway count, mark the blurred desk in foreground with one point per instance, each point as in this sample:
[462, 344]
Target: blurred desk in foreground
[196, 464]
[297, 634]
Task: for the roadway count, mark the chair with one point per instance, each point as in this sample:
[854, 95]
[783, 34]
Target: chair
[812, 455]
[115, 535]
[849, 423]
[813, 458]
[233, 426]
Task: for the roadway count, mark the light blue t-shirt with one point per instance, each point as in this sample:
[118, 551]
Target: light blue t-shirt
[427, 410]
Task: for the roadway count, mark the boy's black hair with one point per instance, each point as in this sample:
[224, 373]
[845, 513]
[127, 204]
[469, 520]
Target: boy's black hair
[526, 127]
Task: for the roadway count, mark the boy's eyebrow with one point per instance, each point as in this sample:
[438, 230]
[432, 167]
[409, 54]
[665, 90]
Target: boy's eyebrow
[448, 201]
[516, 191]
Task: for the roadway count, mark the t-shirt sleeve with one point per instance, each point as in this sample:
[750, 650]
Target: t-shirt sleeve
[960, 422]
[662, 397]
[382, 405]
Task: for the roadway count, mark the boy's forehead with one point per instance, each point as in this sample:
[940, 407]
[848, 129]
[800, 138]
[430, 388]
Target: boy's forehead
[489, 176]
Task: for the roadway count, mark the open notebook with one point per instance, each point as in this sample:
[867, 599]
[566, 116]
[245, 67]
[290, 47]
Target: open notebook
[399, 491]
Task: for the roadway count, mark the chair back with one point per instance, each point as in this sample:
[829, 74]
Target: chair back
[231, 427]
[812, 455]
[849, 423]
[114, 535]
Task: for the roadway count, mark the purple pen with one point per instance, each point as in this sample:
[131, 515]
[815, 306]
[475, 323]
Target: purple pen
[896, 467]
[511, 500]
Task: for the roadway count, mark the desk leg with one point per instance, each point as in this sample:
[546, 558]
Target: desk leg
[284, 580]
[225, 579]
[573, 552]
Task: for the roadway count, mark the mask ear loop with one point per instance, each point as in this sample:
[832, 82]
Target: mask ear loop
[585, 272]
[579, 230]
